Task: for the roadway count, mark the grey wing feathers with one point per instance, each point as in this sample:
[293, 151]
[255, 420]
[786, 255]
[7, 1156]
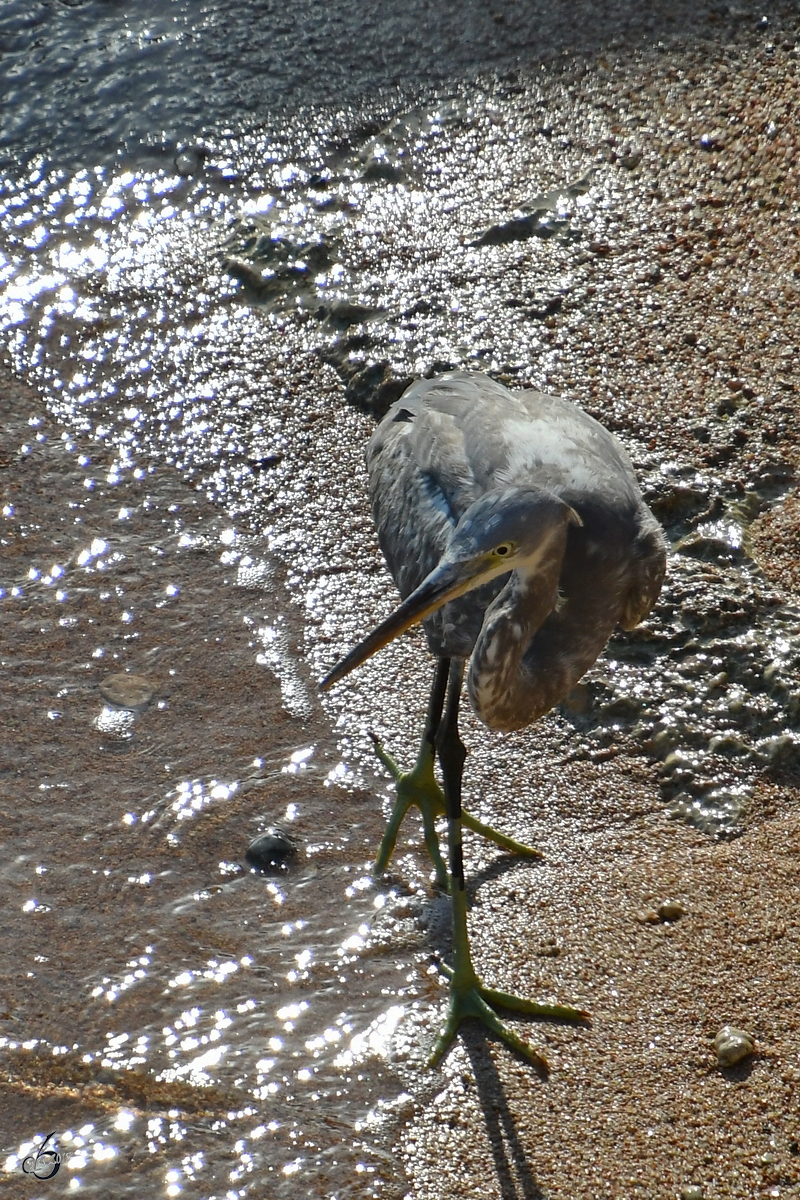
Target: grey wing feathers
[421, 483]
[412, 513]
[448, 440]
[420, 478]
[649, 567]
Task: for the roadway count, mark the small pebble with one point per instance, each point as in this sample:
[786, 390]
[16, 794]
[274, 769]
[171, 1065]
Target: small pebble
[692, 1193]
[631, 158]
[548, 949]
[670, 910]
[648, 916]
[189, 161]
[732, 1045]
[272, 850]
[127, 691]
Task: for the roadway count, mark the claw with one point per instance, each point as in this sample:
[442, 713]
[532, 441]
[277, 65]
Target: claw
[418, 788]
[474, 999]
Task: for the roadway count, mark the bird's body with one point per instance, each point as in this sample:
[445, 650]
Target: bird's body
[515, 529]
[450, 441]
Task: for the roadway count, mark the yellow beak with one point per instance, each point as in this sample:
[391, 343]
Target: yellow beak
[444, 583]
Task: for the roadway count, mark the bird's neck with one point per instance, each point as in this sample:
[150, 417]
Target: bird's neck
[500, 687]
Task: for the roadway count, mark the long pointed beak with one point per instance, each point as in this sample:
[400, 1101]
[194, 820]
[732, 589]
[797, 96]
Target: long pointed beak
[444, 583]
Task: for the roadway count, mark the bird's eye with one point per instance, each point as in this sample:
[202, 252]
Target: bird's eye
[502, 551]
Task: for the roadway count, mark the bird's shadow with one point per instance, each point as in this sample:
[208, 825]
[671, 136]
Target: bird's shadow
[513, 1170]
[514, 1173]
[500, 865]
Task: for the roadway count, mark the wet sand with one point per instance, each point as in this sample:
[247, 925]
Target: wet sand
[116, 897]
[636, 1104]
[689, 351]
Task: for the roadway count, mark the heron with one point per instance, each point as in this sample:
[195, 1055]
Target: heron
[516, 532]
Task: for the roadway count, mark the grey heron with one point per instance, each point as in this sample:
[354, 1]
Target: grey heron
[515, 529]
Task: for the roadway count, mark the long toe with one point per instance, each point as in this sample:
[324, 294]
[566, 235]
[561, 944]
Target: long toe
[479, 1002]
[471, 1002]
[509, 844]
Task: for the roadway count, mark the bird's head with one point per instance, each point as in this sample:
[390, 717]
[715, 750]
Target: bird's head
[503, 531]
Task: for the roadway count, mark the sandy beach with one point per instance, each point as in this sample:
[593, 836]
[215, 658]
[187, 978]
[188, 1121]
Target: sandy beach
[662, 297]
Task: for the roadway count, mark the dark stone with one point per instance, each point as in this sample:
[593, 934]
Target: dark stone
[271, 851]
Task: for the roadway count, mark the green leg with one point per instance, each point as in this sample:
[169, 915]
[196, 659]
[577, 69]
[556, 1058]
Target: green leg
[468, 996]
[494, 835]
[419, 788]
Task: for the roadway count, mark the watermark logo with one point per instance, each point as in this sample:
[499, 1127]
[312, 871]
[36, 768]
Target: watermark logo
[44, 1164]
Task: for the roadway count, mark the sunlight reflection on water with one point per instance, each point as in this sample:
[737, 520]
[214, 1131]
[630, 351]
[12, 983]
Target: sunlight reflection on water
[118, 300]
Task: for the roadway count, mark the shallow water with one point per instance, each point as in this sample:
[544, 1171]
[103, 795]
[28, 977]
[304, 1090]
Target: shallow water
[155, 973]
[186, 321]
[229, 322]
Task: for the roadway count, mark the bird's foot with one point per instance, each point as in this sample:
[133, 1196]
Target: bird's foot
[471, 998]
[511, 845]
[419, 788]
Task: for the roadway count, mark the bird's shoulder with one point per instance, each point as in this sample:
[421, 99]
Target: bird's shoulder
[473, 434]
[424, 439]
